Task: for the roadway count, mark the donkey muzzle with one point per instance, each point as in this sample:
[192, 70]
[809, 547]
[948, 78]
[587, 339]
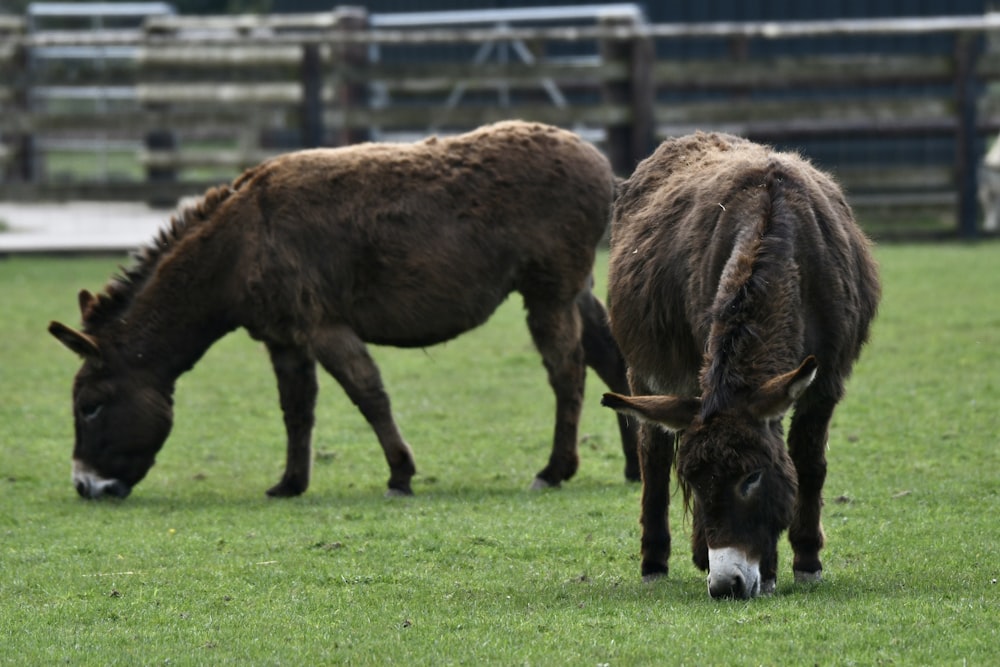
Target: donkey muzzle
[91, 486]
[732, 575]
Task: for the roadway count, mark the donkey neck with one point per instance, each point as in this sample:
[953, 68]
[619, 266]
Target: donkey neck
[177, 313]
[178, 324]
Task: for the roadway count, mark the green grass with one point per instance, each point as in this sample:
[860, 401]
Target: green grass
[198, 567]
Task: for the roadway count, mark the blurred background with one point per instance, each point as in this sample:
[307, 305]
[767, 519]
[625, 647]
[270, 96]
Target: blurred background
[154, 101]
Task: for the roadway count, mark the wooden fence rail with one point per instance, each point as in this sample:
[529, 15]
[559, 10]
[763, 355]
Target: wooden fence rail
[188, 101]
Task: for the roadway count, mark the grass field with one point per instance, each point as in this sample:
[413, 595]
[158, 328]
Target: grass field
[198, 567]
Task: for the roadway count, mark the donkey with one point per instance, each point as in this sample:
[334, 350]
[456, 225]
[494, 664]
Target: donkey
[317, 253]
[740, 286]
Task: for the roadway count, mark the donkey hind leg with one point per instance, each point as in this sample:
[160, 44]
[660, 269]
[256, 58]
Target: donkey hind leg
[601, 353]
[344, 355]
[556, 332]
[296, 374]
[807, 438]
[656, 454]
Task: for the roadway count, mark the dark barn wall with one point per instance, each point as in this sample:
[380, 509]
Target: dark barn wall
[668, 11]
[831, 152]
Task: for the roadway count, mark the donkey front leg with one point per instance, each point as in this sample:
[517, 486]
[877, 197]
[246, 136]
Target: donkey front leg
[344, 355]
[656, 453]
[807, 438]
[296, 374]
[556, 332]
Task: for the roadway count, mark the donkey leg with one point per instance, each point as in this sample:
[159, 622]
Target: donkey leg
[656, 454]
[601, 353]
[556, 332]
[699, 543]
[807, 438]
[296, 374]
[344, 355]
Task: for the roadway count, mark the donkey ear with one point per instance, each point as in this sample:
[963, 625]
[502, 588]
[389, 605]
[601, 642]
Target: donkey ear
[77, 341]
[85, 300]
[671, 412]
[779, 393]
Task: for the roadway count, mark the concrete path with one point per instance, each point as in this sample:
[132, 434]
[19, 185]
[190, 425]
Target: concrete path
[78, 227]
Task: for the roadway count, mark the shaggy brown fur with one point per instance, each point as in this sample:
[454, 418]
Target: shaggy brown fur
[735, 272]
[318, 252]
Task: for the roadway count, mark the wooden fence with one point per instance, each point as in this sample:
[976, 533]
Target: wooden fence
[185, 102]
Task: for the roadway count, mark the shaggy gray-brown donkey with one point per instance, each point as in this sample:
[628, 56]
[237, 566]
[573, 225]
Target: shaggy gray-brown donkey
[740, 286]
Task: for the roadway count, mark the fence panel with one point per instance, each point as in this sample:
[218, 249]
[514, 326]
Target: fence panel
[189, 101]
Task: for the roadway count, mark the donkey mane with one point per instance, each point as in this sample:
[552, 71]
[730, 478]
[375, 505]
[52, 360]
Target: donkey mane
[122, 287]
[757, 289]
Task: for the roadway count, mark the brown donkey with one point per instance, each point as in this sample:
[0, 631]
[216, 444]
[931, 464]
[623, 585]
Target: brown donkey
[318, 252]
[740, 285]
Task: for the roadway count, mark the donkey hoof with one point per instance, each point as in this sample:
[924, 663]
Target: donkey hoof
[767, 587]
[398, 493]
[653, 577]
[802, 577]
[286, 489]
[654, 569]
[538, 484]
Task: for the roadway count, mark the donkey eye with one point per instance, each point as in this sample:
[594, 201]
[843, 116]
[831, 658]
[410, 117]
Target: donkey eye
[90, 412]
[750, 483]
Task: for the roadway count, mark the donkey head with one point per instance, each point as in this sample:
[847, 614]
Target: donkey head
[122, 416]
[737, 476]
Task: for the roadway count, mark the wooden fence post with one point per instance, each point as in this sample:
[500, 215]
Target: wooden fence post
[631, 141]
[312, 97]
[350, 90]
[158, 139]
[161, 140]
[967, 48]
[26, 163]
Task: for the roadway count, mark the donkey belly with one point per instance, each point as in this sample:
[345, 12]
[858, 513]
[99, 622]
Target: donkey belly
[419, 318]
[415, 331]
